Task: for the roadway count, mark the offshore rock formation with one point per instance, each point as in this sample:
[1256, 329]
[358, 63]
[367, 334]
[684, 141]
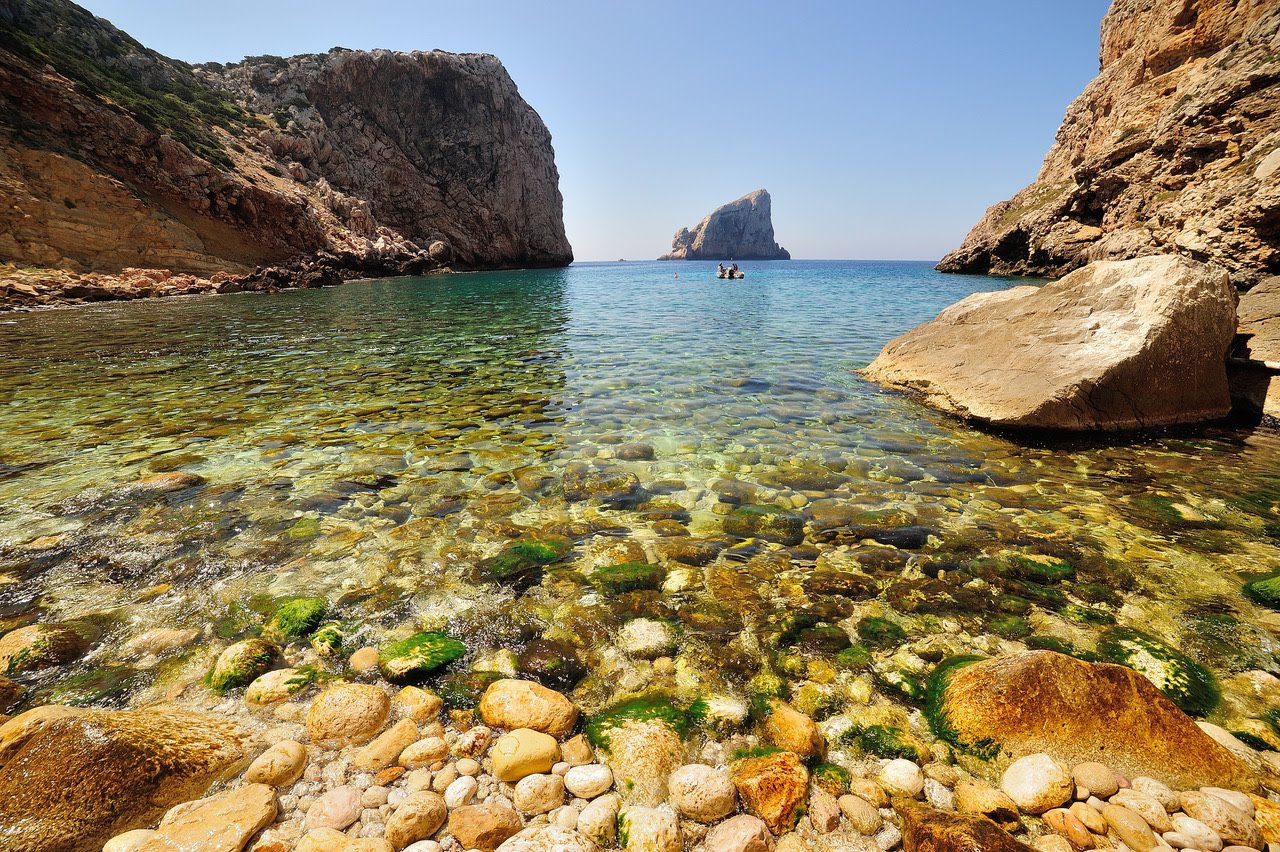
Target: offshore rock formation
[740, 230]
[1116, 345]
[113, 156]
[1173, 148]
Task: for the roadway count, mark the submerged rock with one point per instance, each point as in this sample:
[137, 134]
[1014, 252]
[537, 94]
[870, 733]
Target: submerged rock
[39, 646]
[412, 659]
[1187, 683]
[770, 523]
[641, 743]
[221, 823]
[1116, 345]
[80, 779]
[1077, 712]
[240, 664]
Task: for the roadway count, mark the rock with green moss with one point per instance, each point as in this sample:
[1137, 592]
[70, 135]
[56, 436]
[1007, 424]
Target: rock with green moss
[105, 685]
[525, 556]
[241, 663]
[876, 632]
[935, 712]
[642, 742]
[39, 646]
[553, 662]
[1265, 591]
[1187, 683]
[720, 715]
[414, 659]
[463, 690]
[296, 618]
[905, 684]
[1042, 569]
[303, 529]
[628, 577]
[1009, 626]
[770, 523]
[887, 741]
[278, 685]
[830, 777]
[1087, 615]
[854, 658]
[327, 640]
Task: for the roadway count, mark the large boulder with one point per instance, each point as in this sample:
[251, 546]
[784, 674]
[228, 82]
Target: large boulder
[926, 829]
[81, 778]
[1115, 345]
[1078, 712]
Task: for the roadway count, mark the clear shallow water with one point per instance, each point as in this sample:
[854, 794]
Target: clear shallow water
[373, 443]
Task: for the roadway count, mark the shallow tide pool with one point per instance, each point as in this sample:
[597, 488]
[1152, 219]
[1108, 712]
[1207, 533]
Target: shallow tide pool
[378, 443]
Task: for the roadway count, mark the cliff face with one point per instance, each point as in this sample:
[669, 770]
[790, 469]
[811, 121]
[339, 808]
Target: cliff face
[740, 230]
[1173, 148]
[114, 156]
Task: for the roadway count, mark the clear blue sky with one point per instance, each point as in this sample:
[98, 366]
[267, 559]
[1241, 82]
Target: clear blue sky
[882, 129]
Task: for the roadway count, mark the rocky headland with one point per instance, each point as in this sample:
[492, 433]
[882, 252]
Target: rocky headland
[739, 230]
[267, 173]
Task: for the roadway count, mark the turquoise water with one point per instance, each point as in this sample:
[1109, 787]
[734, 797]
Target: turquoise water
[375, 443]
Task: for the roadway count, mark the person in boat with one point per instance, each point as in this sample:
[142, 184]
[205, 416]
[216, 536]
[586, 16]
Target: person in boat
[733, 270]
[719, 270]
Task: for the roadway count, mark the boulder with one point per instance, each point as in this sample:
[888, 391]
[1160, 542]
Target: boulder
[641, 746]
[524, 704]
[702, 792]
[221, 823]
[39, 646]
[739, 230]
[1116, 345]
[789, 729]
[773, 787]
[483, 827]
[81, 778]
[1072, 710]
[347, 713]
[926, 829]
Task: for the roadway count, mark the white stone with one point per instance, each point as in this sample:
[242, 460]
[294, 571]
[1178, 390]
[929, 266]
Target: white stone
[1037, 783]
[460, 792]
[647, 638]
[743, 833]
[702, 792]
[902, 778]
[598, 821]
[651, 829]
[547, 838]
[1198, 835]
[588, 781]
[537, 794]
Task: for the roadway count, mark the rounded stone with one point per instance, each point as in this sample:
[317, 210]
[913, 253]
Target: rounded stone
[523, 752]
[860, 813]
[547, 838]
[702, 793]
[337, 809]
[1157, 790]
[460, 792]
[1144, 806]
[1097, 778]
[275, 686]
[348, 713]
[538, 793]
[418, 817]
[1197, 834]
[598, 821]
[1037, 783]
[483, 827]
[587, 782]
[650, 830]
[743, 833]
[647, 638]
[524, 704]
[279, 765]
[1131, 827]
[902, 777]
[130, 841]
[423, 753]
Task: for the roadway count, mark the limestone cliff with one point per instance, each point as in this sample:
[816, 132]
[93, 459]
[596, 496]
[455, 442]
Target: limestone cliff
[1174, 147]
[114, 156]
[740, 230]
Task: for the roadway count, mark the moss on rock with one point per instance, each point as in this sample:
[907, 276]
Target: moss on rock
[1265, 591]
[1187, 683]
[876, 632]
[770, 523]
[413, 659]
[628, 577]
[650, 708]
[240, 664]
[298, 617]
[327, 640]
[935, 710]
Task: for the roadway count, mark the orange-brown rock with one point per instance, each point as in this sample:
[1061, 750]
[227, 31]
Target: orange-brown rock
[1171, 149]
[773, 787]
[1041, 701]
[926, 829]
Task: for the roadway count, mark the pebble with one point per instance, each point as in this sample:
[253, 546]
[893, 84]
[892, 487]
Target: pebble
[538, 793]
[467, 766]
[424, 752]
[1037, 783]
[1131, 827]
[1053, 843]
[460, 792]
[417, 818]
[651, 830]
[938, 796]
[566, 817]
[1096, 778]
[423, 846]
[598, 821]
[1066, 823]
[374, 797]
[888, 837]
[1161, 792]
[587, 781]
[1239, 801]
[1146, 807]
[442, 779]
[577, 751]
[338, 808]
[824, 811]
[129, 841]
[1233, 825]
[862, 815]
[348, 713]
[702, 793]
[363, 660]
[1197, 834]
[279, 765]
[418, 704]
[901, 778]
[743, 833]
[1091, 817]
[523, 752]
[869, 790]
[646, 638]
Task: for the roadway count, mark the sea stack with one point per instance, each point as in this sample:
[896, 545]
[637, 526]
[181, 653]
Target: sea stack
[739, 230]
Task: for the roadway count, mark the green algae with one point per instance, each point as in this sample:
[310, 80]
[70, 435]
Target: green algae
[240, 664]
[1042, 569]
[771, 523]
[831, 778]
[753, 752]
[885, 741]
[463, 690]
[878, 632]
[297, 618]
[854, 658]
[327, 640]
[412, 660]
[1009, 626]
[1265, 591]
[1187, 683]
[652, 708]
[628, 577]
[936, 714]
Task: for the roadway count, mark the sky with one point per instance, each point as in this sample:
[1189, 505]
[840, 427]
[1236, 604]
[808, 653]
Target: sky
[883, 130]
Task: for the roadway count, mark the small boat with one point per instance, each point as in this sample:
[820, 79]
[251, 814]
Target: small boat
[729, 273]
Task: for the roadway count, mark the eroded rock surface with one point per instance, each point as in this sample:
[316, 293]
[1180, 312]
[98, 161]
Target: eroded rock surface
[740, 230]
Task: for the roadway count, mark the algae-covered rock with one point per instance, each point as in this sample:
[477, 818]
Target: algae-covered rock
[878, 632]
[327, 640]
[1265, 591]
[525, 556]
[239, 664]
[80, 779]
[770, 523]
[886, 741]
[463, 690]
[552, 662]
[1072, 710]
[277, 685]
[297, 618]
[39, 646]
[628, 577]
[647, 638]
[415, 658]
[832, 778]
[642, 743]
[1190, 685]
[1042, 569]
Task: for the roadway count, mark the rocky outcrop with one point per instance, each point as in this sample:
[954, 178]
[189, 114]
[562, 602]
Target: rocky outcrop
[1173, 148]
[1041, 701]
[740, 230]
[373, 163]
[1116, 345]
[80, 777]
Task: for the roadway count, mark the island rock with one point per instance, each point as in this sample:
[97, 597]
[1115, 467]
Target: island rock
[740, 230]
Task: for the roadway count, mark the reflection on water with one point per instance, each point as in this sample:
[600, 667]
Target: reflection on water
[373, 443]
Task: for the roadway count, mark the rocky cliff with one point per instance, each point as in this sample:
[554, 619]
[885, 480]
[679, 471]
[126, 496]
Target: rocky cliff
[1175, 148]
[113, 156]
[740, 230]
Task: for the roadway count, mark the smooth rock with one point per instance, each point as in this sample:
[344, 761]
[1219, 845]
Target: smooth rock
[1037, 783]
[901, 777]
[523, 752]
[279, 765]
[547, 838]
[589, 781]
[642, 754]
[221, 823]
[1053, 843]
[702, 793]
[995, 805]
[926, 829]
[790, 730]
[348, 713]
[1198, 835]
[39, 646]
[1146, 807]
[275, 686]
[158, 642]
[483, 827]
[647, 638]
[1116, 345]
[1096, 777]
[598, 821]
[386, 748]
[538, 794]
[420, 705]
[1067, 824]
[1239, 801]
[576, 751]
[460, 792]
[129, 841]
[418, 817]
[524, 704]
[1157, 790]
[338, 808]
[1131, 827]
[824, 811]
[1090, 816]
[861, 814]
[642, 829]
[743, 833]
[1232, 825]
[1071, 711]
